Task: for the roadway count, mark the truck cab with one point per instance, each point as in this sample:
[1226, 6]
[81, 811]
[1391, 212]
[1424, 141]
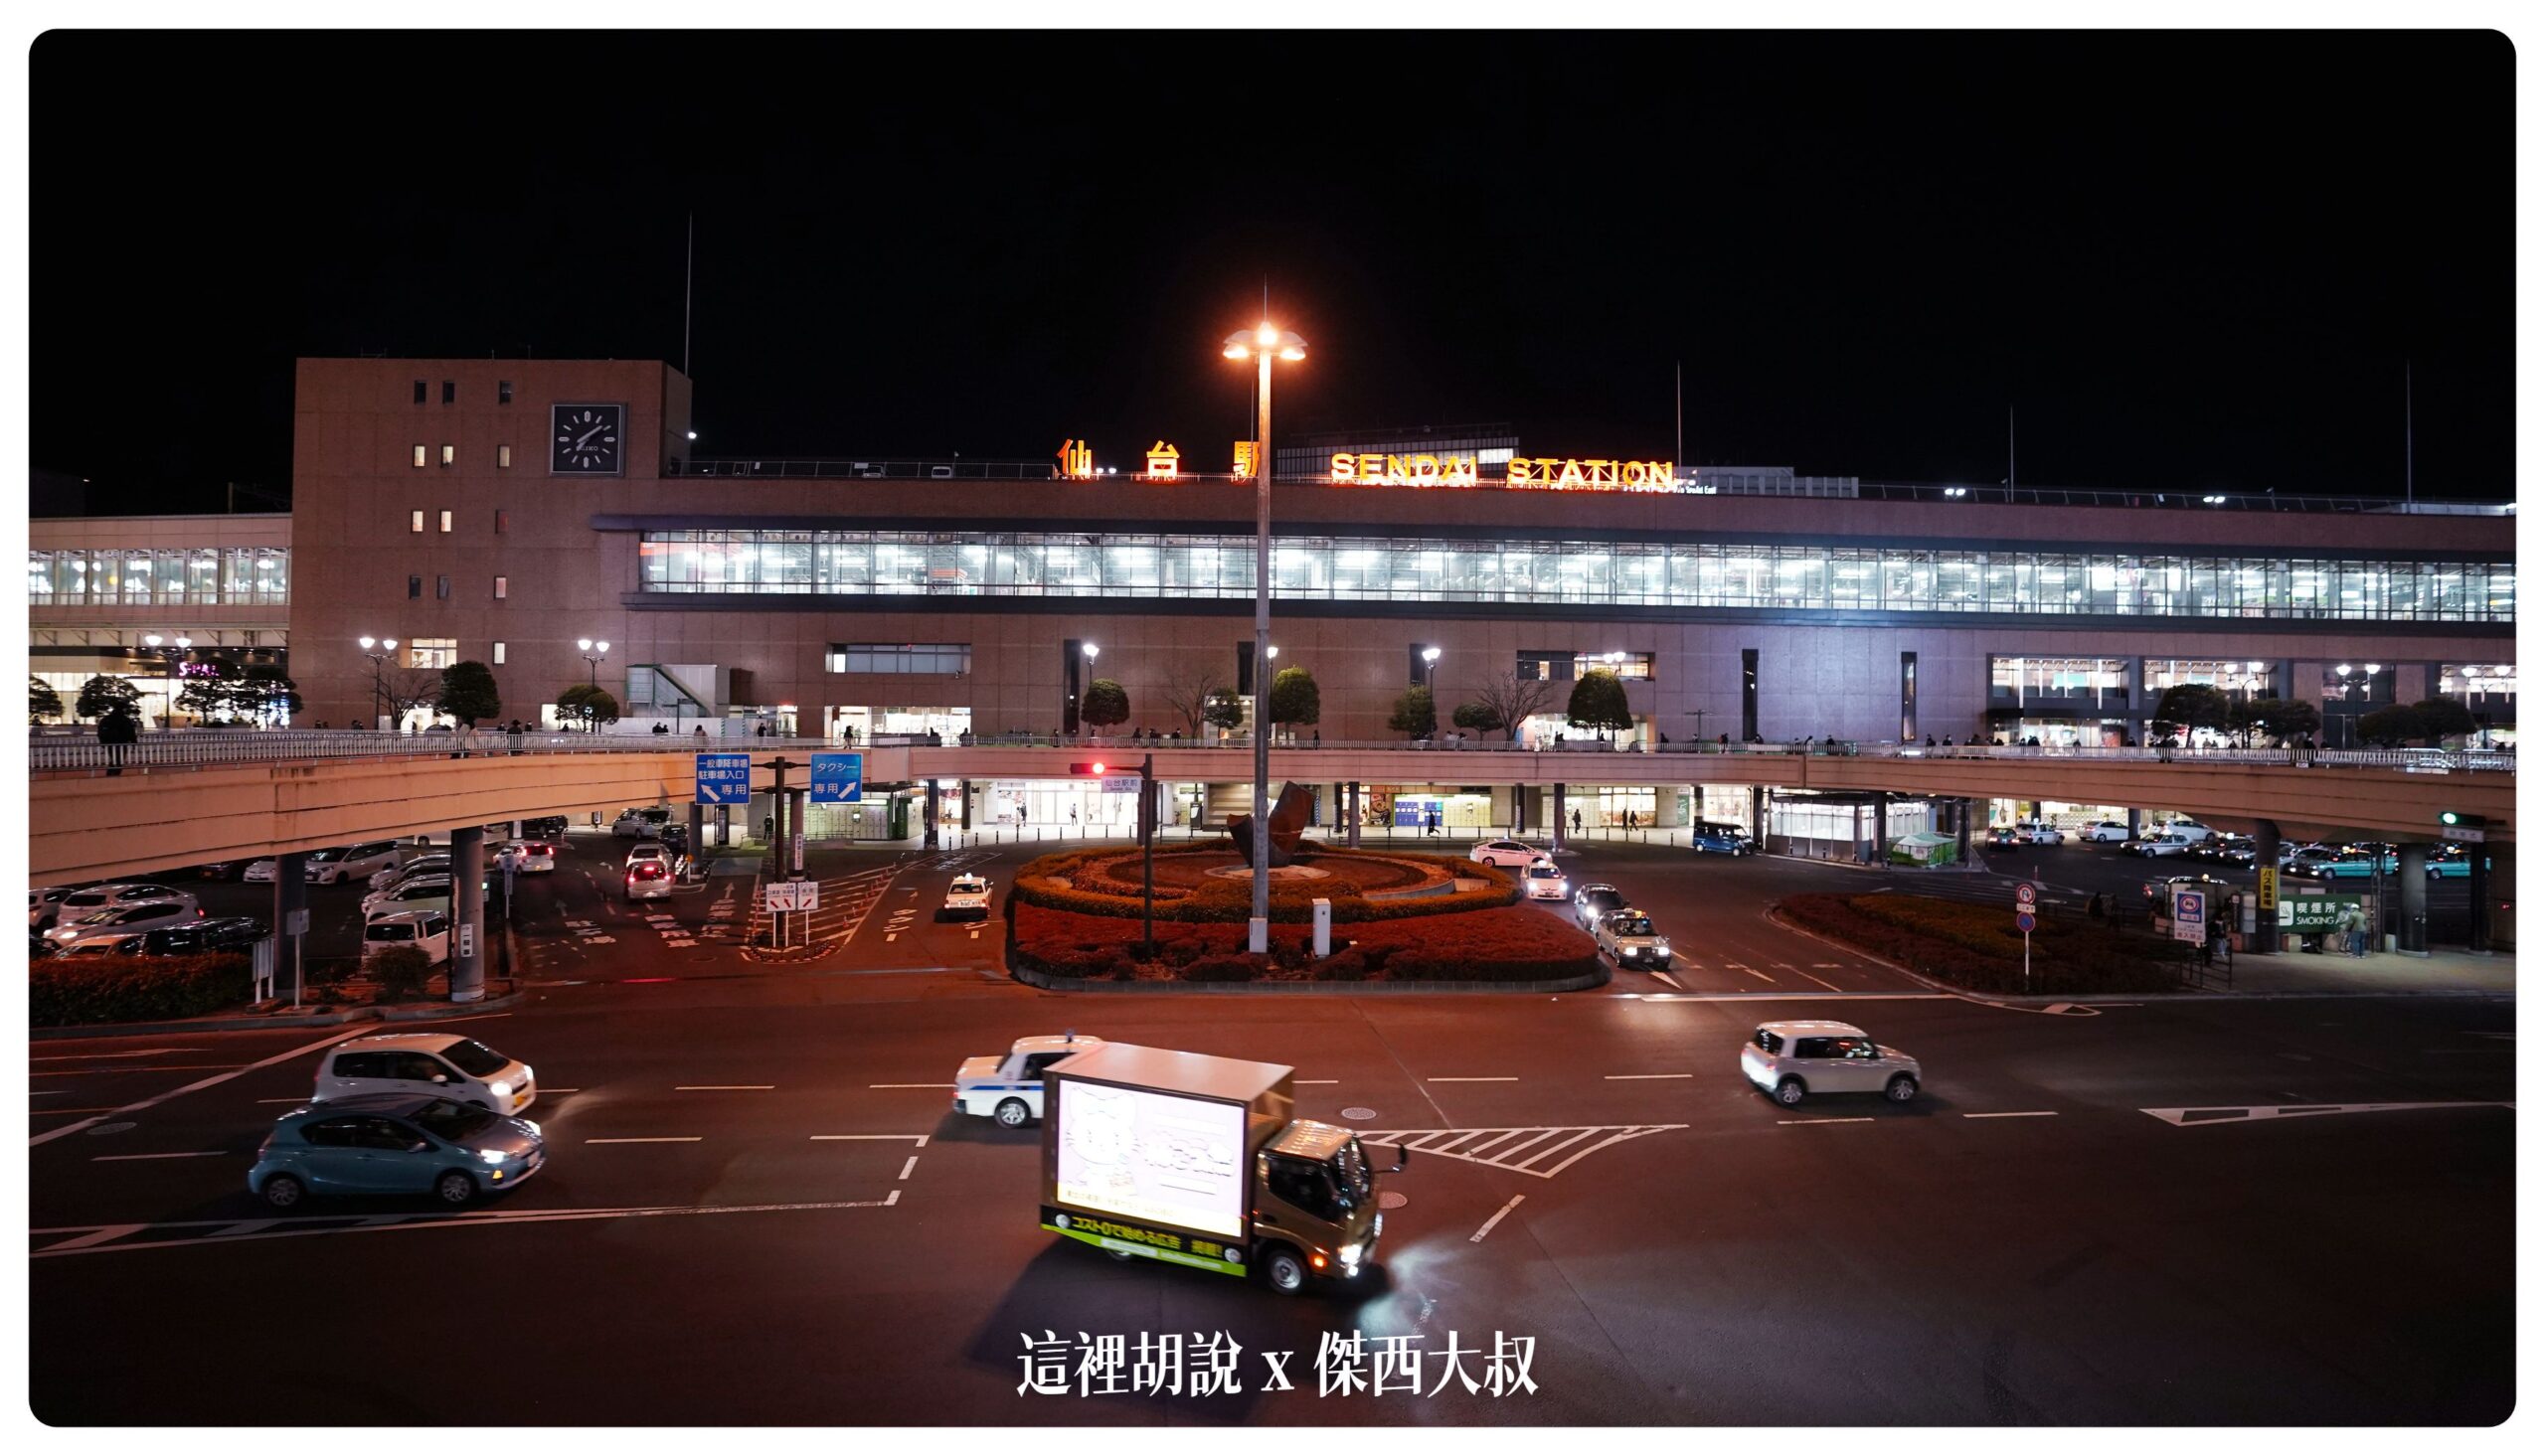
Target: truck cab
[1319, 1204]
[1009, 1089]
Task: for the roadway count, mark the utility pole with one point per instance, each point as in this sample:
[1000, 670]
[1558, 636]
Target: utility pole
[688, 270]
[1679, 412]
[2408, 432]
[1148, 851]
[2010, 452]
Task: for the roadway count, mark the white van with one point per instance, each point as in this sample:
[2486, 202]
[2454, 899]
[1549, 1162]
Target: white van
[427, 929]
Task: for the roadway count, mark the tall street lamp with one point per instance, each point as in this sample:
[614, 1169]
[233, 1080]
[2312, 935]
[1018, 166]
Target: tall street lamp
[594, 652]
[1431, 660]
[1262, 344]
[378, 652]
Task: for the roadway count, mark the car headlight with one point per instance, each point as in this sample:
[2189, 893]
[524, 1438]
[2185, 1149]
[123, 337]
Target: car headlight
[1349, 1255]
[491, 1155]
[500, 1089]
[1661, 943]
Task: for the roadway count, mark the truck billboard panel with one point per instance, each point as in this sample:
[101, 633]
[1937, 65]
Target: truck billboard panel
[1151, 1157]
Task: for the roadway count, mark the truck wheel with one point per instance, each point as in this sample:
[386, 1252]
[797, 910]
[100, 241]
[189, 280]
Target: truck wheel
[1285, 1271]
[1901, 1088]
[1790, 1092]
[1012, 1113]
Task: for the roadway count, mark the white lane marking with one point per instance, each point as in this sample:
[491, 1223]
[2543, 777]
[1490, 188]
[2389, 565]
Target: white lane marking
[542, 1091]
[1646, 1076]
[1316, 1081]
[2011, 1114]
[909, 1164]
[1470, 1079]
[100, 1235]
[643, 1140]
[870, 1137]
[271, 1101]
[1755, 997]
[1826, 965]
[1551, 1149]
[69, 1128]
[891, 935]
[1816, 1121]
[153, 1156]
[170, 1051]
[1513, 1156]
[127, 1070]
[1666, 976]
[1478, 1236]
[906, 1086]
[337, 1223]
[1761, 975]
[1806, 975]
[55, 1093]
[2205, 1116]
[760, 1088]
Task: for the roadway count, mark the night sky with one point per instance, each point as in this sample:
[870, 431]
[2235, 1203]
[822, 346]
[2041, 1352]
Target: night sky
[2188, 262]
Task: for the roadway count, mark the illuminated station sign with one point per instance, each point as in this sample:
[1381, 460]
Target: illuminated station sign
[1076, 462]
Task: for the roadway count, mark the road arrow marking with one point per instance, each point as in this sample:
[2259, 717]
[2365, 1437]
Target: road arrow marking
[2204, 1117]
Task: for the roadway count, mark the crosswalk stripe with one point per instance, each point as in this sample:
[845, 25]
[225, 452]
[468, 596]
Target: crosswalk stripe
[1499, 1150]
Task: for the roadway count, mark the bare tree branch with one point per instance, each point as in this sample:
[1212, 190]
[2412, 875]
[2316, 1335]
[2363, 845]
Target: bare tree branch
[1515, 699]
[1187, 692]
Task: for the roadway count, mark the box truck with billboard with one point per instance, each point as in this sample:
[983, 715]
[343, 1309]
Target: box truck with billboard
[1196, 1160]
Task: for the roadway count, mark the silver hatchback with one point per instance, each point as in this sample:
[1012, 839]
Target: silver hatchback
[1789, 1060]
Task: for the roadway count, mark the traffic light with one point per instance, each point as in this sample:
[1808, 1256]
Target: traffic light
[1093, 769]
[2453, 819]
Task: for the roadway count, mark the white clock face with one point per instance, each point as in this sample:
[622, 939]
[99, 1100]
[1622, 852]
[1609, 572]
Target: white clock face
[584, 439]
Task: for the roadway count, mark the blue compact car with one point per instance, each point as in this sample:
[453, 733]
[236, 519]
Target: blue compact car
[1709, 838]
[394, 1143]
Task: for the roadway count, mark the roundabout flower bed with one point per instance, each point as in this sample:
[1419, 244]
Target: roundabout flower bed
[1071, 916]
[1977, 947]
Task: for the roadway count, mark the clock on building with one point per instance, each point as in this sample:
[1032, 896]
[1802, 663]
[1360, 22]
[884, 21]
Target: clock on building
[587, 440]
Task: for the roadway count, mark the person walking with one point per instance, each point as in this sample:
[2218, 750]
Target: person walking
[116, 732]
[512, 737]
[1577, 822]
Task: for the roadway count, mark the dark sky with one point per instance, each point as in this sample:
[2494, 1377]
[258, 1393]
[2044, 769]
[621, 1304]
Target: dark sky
[2197, 260]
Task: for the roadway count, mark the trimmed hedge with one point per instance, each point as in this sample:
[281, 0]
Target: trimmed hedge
[1978, 948]
[1508, 943]
[1046, 882]
[136, 989]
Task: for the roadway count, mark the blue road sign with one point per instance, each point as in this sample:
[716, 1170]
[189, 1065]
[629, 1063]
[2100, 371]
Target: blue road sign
[2023, 922]
[839, 778]
[724, 778]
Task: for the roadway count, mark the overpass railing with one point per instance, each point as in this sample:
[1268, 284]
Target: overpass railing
[214, 749]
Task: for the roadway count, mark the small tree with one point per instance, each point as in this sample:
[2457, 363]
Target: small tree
[1476, 717]
[209, 690]
[1598, 703]
[2393, 726]
[468, 693]
[264, 693]
[1513, 700]
[103, 694]
[1294, 700]
[2443, 717]
[585, 704]
[1225, 710]
[1105, 704]
[1414, 716]
[408, 689]
[2191, 706]
[42, 700]
[2283, 718]
[1190, 696]
[400, 971]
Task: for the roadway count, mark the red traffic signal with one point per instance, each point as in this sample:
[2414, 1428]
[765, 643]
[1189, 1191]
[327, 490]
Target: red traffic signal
[1088, 768]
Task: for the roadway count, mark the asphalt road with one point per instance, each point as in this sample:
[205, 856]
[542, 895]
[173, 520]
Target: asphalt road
[760, 1210]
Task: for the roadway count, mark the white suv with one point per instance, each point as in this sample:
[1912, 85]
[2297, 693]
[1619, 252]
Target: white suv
[1790, 1059]
[2104, 831]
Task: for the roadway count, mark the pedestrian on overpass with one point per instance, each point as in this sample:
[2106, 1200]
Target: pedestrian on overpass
[512, 737]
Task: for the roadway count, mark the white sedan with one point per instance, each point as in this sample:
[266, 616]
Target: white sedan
[1545, 882]
[1506, 853]
[2104, 831]
[967, 898]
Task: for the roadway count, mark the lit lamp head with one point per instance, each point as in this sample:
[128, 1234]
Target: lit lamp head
[1430, 654]
[367, 643]
[1264, 339]
[1090, 649]
[150, 639]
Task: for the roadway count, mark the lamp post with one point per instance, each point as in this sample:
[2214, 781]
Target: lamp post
[594, 652]
[1431, 660]
[1262, 344]
[168, 659]
[378, 652]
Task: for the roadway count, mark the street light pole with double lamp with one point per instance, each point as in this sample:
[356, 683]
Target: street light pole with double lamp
[1262, 344]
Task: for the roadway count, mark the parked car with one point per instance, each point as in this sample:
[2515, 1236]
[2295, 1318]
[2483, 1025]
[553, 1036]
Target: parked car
[2357, 861]
[2449, 862]
[413, 893]
[1543, 880]
[1627, 937]
[1505, 852]
[428, 930]
[2005, 838]
[124, 919]
[234, 933]
[351, 862]
[2189, 829]
[546, 826]
[222, 870]
[1789, 1060]
[652, 848]
[967, 897]
[2104, 831]
[436, 862]
[2221, 849]
[1009, 1089]
[640, 823]
[394, 1143]
[1591, 902]
[1713, 837]
[44, 904]
[96, 899]
[649, 880]
[258, 871]
[2038, 830]
[435, 1065]
[2156, 892]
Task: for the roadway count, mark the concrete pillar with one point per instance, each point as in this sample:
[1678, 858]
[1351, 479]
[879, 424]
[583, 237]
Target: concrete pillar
[2478, 896]
[1759, 815]
[697, 839]
[2412, 873]
[1881, 828]
[801, 802]
[963, 788]
[1961, 809]
[467, 913]
[1352, 819]
[928, 818]
[2265, 938]
[1556, 821]
[291, 898]
[2134, 832]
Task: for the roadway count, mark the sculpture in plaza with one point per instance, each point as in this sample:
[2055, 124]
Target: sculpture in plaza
[1289, 819]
